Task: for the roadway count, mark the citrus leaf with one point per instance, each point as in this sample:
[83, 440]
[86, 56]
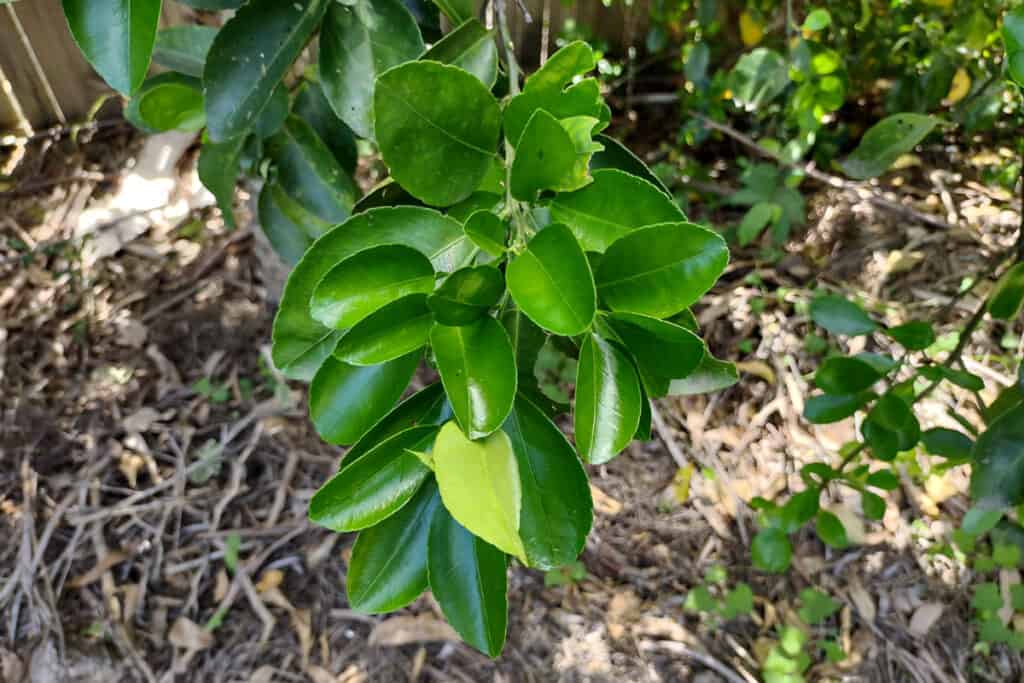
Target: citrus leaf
[771, 551]
[661, 348]
[830, 529]
[471, 48]
[544, 160]
[997, 475]
[1013, 38]
[425, 407]
[607, 401]
[844, 375]
[183, 48]
[466, 295]
[394, 330]
[311, 106]
[616, 155]
[839, 316]
[913, 336]
[218, 169]
[709, 376]
[830, 408]
[286, 237]
[116, 36]
[891, 427]
[170, 102]
[1005, 301]
[488, 232]
[885, 142]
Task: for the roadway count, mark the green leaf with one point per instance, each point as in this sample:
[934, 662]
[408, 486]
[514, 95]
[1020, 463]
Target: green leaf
[527, 340]
[839, 316]
[960, 378]
[388, 569]
[978, 521]
[616, 155]
[308, 171]
[286, 237]
[557, 510]
[425, 407]
[914, 336]
[552, 88]
[771, 551]
[365, 282]
[661, 348]
[471, 48]
[738, 602]
[488, 232]
[607, 401]
[817, 20]
[359, 42]
[311, 106]
[116, 36]
[1005, 301]
[274, 115]
[885, 142]
[551, 282]
[755, 220]
[478, 370]
[300, 342]
[374, 487]
[711, 375]
[891, 427]
[816, 606]
[468, 577]
[170, 102]
[661, 270]
[997, 475]
[544, 160]
[430, 117]
[250, 56]
[830, 530]
[394, 330]
[612, 206]
[758, 78]
[883, 479]
[218, 170]
[480, 487]
[183, 48]
[833, 408]
[345, 401]
[458, 11]
[873, 505]
[1013, 38]
[466, 295]
[987, 596]
[800, 509]
[844, 375]
[213, 4]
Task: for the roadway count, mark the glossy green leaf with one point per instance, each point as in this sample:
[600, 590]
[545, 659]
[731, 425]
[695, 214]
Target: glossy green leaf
[478, 370]
[300, 342]
[288, 239]
[437, 127]
[661, 348]
[581, 133]
[116, 36]
[607, 401]
[394, 330]
[948, 443]
[709, 376]
[997, 475]
[488, 232]
[883, 479]
[913, 336]
[551, 282]
[661, 270]
[800, 509]
[218, 169]
[961, 378]
[374, 487]
[387, 193]
[470, 47]
[845, 375]
[468, 577]
[466, 295]
[183, 48]
[388, 569]
[616, 155]
[553, 89]
[311, 106]
[612, 206]
[1006, 299]
[544, 160]
[274, 115]
[891, 427]
[250, 56]
[426, 407]
[170, 102]
[885, 142]
[557, 510]
[458, 11]
[345, 401]
[1013, 39]
[771, 551]
[831, 530]
[308, 171]
[365, 282]
[833, 408]
[527, 340]
[480, 487]
[839, 316]
[358, 42]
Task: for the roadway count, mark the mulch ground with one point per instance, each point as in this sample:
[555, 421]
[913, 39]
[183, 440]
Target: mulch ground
[155, 470]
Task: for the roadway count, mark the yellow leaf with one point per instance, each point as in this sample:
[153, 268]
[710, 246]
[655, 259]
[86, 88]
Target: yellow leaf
[960, 87]
[681, 483]
[271, 578]
[751, 32]
[758, 368]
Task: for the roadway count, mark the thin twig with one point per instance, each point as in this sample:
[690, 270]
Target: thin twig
[703, 658]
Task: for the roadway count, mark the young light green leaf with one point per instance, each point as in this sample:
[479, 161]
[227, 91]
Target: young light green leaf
[816, 606]
[709, 376]
[359, 42]
[470, 47]
[997, 475]
[365, 282]
[477, 367]
[873, 505]
[839, 316]
[466, 295]
[394, 330]
[759, 77]
[480, 487]
[345, 401]
[612, 206]
[116, 36]
[388, 569]
[551, 282]
[468, 577]
[1006, 299]
[437, 127]
[250, 56]
[544, 160]
[557, 510]
[170, 102]
[425, 407]
[817, 20]
[374, 487]
[885, 142]
[183, 48]
[661, 270]
[607, 400]
[846, 375]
